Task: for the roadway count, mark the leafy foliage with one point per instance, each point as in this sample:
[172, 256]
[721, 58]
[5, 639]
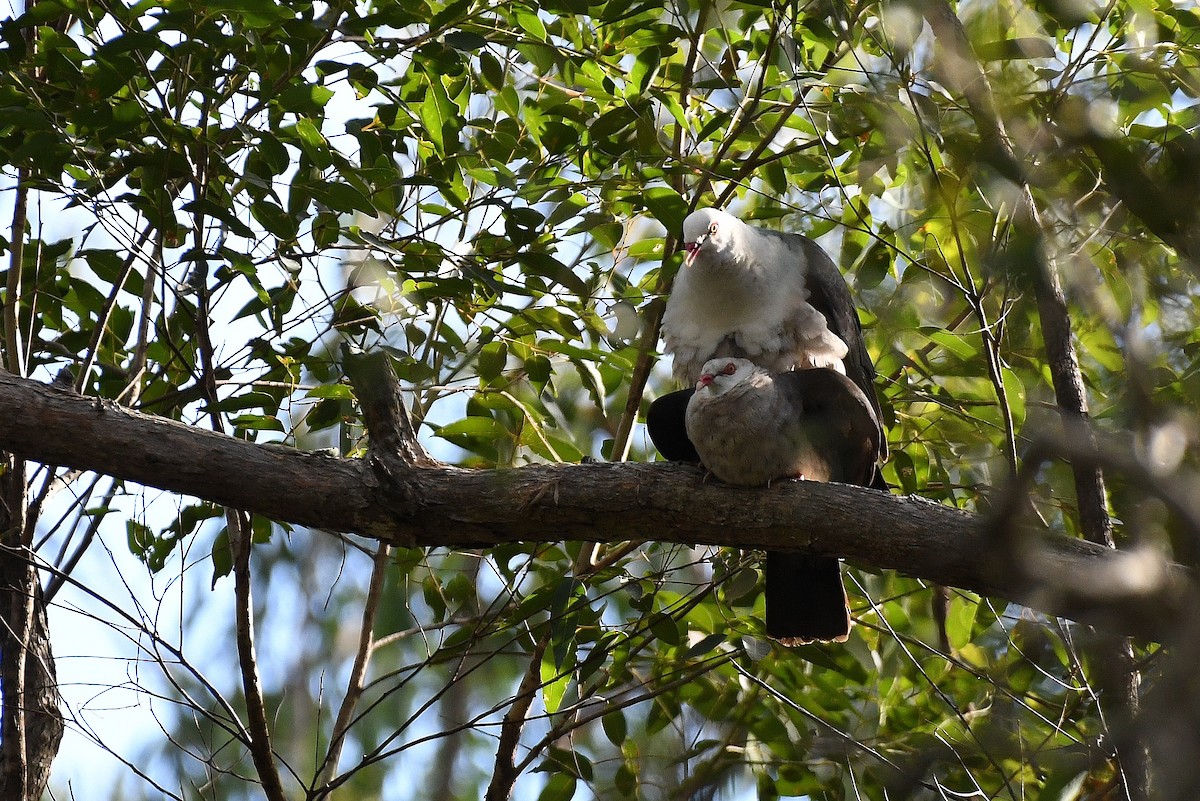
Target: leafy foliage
[224, 194]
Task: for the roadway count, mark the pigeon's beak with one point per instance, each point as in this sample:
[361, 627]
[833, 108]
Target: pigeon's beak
[693, 250]
[704, 381]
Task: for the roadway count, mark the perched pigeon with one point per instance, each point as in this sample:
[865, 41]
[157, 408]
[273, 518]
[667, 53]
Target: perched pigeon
[750, 427]
[776, 299]
[773, 298]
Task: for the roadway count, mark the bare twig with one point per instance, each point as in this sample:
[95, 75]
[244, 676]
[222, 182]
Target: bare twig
[238, 526]
[358, 672]
[240, 545]
[101, 325]
[504, 770]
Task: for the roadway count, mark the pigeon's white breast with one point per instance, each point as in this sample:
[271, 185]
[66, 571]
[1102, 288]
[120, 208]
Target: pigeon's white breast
[756, 308]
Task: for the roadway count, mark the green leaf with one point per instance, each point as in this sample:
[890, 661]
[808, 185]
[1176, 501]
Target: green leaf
[554, 683]
[139, 537]
[222, 557]
[531, 23]
[325, 229]
[704, 646]
[255, 13]
[473, 428]
[341, 391]
[564, 614]
[538, 369]
[491, 70]
[667, 206]
[465, 40]
[1014, 49]
[645, 67]
[340, 197]
[960, 621]
[874, 265]
[274, 153]
[436, 112]
[493, 359]
[559, 787]
[953, 343]
[304, 98]
[546, 266]
[277, 221]
[308, 132]
[258, 422]
[615, 727]
[1014, 389]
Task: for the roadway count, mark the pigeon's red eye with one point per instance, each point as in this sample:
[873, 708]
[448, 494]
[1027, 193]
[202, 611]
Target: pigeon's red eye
[712, 229]
[730, 369]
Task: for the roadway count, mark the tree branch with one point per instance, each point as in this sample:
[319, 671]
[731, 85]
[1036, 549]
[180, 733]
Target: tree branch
[384, 414]
[358, 671]
[504, 770]
[450, 507]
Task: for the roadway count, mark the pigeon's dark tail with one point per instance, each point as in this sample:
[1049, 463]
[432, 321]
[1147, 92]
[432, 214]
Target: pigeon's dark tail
[806, 601]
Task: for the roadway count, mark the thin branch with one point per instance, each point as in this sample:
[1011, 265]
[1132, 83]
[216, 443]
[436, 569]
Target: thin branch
[652, 318]
[100, 327]
[358, 672]
[504, 770]
[241, 544]
[14, 360]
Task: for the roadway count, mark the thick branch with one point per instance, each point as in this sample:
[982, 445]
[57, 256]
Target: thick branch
[456, 508]
[382, 404]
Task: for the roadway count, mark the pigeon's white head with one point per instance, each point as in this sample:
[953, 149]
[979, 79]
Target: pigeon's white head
[711, 235]
[720, 375]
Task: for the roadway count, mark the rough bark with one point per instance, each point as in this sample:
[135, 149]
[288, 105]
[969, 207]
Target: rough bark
[32, 724]
[450, 507]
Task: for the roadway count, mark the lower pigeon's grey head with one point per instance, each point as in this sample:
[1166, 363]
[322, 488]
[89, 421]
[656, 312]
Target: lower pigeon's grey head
[720, 375]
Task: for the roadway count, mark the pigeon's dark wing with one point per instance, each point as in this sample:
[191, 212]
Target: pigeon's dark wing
[828, 294]
[805, 598]
[666, 424]
[838, 421]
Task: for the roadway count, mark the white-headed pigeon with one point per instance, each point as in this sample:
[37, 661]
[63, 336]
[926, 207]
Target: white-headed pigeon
[774, 298]
[750, 427]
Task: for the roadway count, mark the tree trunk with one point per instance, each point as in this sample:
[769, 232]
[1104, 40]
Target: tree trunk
[31, 723]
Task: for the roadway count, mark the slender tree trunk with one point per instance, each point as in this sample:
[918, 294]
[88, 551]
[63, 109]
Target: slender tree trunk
[31, 724]
[962, 69]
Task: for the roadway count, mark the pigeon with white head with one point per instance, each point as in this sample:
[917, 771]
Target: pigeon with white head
[774, 298]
